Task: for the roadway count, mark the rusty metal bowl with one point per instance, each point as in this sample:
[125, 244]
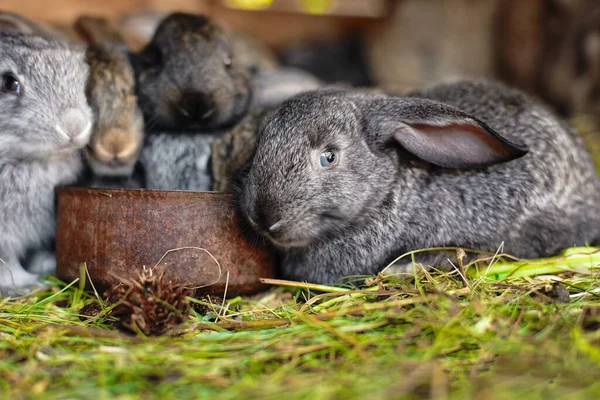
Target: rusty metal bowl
[194, 236]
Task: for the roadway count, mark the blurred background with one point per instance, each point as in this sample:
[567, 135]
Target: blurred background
[550, 48]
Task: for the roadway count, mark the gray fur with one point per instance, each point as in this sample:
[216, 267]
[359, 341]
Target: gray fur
[35, 157]
[178, 161]
[199, 160]
[381, 201]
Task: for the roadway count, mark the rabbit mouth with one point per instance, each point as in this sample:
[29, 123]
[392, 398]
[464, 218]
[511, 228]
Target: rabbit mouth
[280, 238]
[286, 238]
[185, 117]
[101, 169]
[111, 168]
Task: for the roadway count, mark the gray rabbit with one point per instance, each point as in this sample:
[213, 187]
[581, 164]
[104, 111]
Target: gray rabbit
[345, 181]
[193, 76]
[201, 87]
[45, 122]
[181, 158]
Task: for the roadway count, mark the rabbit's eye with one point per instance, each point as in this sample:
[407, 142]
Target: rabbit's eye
[10, 84]
[327, 159]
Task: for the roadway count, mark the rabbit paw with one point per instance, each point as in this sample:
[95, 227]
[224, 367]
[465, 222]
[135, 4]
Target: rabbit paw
[14, 280]
[439, 259]
[401, 270]
[43, 263]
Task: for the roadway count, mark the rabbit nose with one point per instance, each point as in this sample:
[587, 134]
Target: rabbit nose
[196, 106]
[74, 126]
[276, 227]
[267, 221]
[112, 156]
[115, 148]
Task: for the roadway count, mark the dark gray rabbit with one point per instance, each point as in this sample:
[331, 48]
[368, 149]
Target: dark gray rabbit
[343, 182]
[198, 82]
[45, 122]
[193, 75]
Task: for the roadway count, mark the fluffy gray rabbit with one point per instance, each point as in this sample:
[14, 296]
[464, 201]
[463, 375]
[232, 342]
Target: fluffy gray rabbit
[44, 123]
[343, 182]
[192, 75]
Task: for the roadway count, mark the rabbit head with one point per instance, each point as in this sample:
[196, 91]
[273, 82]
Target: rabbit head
[34, 72]
[118, 131]
[188, 76]
[326, 158]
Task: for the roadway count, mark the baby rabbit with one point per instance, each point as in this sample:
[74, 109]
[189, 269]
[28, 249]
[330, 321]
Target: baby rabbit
[343, 182]
[44, 123]
[118, 131]
[193, 75]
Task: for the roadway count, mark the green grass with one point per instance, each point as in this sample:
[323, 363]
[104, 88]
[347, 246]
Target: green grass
[493, 335]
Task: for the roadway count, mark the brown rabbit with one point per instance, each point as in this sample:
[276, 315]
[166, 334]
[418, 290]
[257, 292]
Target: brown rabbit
[118, 132]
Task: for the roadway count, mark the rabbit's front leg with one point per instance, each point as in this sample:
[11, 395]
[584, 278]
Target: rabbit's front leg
[14, 279]
[43, 262]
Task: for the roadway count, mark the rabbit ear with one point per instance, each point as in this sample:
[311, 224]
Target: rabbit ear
[443, 135]
[10, 22]
[97, 30]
